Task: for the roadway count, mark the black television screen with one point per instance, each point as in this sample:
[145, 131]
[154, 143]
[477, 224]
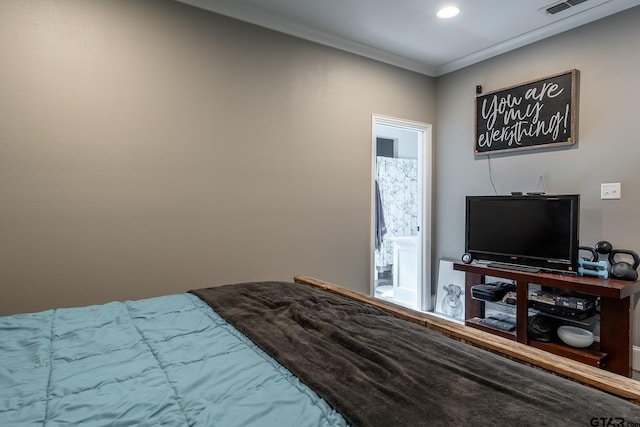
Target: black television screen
[535, 231]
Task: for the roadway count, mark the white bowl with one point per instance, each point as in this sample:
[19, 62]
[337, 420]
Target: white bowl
[575, 337]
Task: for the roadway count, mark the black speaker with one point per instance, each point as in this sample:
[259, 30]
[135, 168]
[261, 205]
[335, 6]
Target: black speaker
[467, 258]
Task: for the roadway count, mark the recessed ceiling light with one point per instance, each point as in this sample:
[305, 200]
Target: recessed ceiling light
[448, 12]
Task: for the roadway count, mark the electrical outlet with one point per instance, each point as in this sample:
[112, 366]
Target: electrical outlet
[612, 190]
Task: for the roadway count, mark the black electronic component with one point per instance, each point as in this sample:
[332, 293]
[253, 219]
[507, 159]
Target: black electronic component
[537, 232]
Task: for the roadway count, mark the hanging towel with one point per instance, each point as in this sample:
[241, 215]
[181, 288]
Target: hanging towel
[381, 228]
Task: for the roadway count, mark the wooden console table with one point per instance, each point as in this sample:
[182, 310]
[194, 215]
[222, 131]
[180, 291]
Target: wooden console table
[616, 316]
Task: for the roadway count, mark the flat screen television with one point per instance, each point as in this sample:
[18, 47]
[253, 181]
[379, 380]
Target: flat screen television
[537, 232]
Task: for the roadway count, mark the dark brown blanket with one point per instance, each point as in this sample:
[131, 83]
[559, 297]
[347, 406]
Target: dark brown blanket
[378, 370]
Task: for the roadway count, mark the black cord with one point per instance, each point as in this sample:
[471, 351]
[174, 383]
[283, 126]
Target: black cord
[491, 174]
[541, 184]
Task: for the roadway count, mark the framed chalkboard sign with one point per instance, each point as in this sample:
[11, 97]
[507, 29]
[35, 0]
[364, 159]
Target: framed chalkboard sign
[535, 114]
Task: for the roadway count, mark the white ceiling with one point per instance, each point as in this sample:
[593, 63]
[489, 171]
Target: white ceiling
[408, 34]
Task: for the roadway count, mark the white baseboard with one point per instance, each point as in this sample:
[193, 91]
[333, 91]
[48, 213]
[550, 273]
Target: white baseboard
[635, 363]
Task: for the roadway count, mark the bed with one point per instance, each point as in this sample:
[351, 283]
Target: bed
[302, 353]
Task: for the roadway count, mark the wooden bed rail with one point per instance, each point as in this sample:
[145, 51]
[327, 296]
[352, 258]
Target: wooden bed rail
[609, 382]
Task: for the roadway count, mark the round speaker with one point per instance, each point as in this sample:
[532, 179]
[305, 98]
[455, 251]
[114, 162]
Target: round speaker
[467, 258]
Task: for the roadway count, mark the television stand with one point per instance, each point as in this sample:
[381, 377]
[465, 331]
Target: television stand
[514, 267]
[614, 352]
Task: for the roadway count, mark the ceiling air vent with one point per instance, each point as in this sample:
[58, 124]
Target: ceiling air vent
[563, 6]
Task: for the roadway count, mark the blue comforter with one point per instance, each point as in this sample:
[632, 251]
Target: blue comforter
[161, 361]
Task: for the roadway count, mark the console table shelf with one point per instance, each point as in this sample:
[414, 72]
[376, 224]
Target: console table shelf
[616, 317]
[590, 355]
[475, 322]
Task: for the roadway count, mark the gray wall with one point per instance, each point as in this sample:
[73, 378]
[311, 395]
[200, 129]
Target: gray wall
[150, 147]
[608, 149]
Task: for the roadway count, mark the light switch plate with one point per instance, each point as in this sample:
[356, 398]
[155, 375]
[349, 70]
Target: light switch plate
[611, 190]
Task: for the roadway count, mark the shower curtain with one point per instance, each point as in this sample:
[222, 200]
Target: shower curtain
[398, 184]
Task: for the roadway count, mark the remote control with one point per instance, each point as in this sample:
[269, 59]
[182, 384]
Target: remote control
[500, 324]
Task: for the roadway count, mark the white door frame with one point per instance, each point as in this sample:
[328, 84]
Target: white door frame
[425, 171]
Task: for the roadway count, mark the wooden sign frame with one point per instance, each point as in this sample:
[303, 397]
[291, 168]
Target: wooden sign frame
[535, 114]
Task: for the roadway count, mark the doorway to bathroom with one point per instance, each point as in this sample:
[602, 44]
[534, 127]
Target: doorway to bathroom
[401, 212]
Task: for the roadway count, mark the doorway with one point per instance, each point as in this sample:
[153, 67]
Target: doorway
[401, 212]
